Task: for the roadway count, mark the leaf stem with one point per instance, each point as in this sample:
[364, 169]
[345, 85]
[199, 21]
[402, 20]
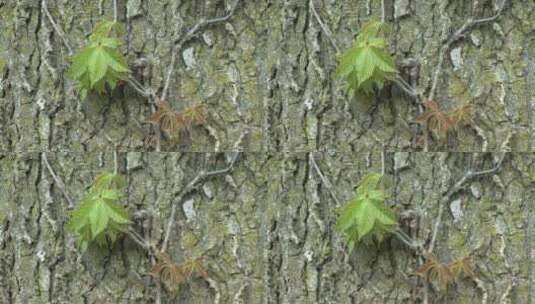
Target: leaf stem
[192, 185]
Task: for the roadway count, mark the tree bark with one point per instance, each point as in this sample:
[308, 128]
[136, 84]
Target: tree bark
[266, 228]
[267, 77]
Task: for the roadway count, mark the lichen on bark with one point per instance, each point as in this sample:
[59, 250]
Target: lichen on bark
[266, 228]
[267, 75]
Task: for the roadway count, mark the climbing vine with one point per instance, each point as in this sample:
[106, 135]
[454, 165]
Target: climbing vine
[173, 122]
[100, 63]
[174, 275]
[100, 66]
[366, 217]
[100, 217]
[444, 274]
[367, 65]
[441, 123]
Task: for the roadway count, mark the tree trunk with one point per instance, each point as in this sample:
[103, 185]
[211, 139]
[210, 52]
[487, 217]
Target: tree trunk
[267, 75]
[267, 78]
[266, 228]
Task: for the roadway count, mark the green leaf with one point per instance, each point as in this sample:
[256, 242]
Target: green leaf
[79, 67]
[106, 28]
[348, 215]
[97, 65]
[366, 216]
[347, 62]
[365, 219]
[100, 63]
[368, 182]
[364, 64]
[373, 28]
[367, 64]
[116, 61]
[110, 195]
[106, 42]
[100, 216]
[107, 180]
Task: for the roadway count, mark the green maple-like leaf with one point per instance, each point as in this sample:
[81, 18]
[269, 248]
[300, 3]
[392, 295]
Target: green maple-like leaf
[106, 28]
[100, 63]
[100, 215]
[366, 216]
[367, 64]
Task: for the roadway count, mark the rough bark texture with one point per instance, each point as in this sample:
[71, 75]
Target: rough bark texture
[266, 227]
[267, 75]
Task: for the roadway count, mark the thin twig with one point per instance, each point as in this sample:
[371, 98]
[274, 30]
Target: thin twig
[436, 228]
[458, 186]
[139, 240]
[324, 179]
[192, 185]
[383, 160]
[324, 27]
[169, 74]
[468, 25]
[407, 240]
[139, 88]
[157, 129]
[180, 41]
[407, 88]
[56, 27]
[400, 234]
[454, 189]
[383, 11]
[115, 162]
[437, 73]
[130, 232]
[471, 174]
[57, 180]
[114, 10]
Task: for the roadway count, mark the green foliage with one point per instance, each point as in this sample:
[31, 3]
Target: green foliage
[367, 64]
[100, 62]
[366, 217]
[100, 216]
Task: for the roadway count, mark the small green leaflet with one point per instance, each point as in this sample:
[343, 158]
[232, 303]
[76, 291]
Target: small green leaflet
[367, 64]
[100, 62]
[107, 28]
[100, 215]
[366, 217]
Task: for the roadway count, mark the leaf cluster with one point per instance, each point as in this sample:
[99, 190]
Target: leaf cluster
[176, 274]
[173, 122]
[100, 217]
[442, 123]
[445, 274]
[367, 64]
[366, 217]
[100, 63]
